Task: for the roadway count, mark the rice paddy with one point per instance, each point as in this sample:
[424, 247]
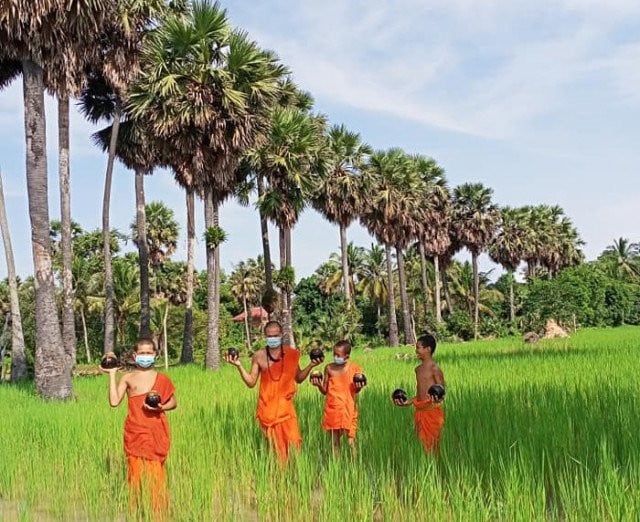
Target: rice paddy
[533, 432]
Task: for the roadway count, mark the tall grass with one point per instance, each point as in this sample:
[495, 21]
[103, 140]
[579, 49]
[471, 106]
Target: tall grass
[543, 432]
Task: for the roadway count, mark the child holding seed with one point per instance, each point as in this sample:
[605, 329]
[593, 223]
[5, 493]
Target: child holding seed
[428, 416]
[146, 430]
[341, 382]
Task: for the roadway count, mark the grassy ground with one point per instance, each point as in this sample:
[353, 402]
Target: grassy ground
[543, 432]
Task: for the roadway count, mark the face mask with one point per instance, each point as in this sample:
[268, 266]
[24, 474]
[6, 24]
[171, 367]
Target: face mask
[274, 342]
[339, 360]
[145, 361]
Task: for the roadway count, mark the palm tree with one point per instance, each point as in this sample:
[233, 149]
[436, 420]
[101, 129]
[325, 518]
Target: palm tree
[335, 278]
[135, 150]
[434, 237]
[395, 215]
[245, 286]
[339, 195]
[463, 284]
[207, 90]
[291, 160]
[372, 279]
[112, 69]
[507, 247]
[160, 233]
[475, 219]
[18, 357]
[623, 259]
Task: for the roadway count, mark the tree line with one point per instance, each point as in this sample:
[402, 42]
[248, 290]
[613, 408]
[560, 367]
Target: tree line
[180, 89]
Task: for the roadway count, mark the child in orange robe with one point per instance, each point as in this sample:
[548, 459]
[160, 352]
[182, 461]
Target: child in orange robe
[340, 410]
[146, 430]
[428, 416]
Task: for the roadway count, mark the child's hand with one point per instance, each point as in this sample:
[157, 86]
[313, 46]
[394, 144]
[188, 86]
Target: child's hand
[157, 409]
[359, 385]
[315, 362]
[316, 381]
[107, 370]
[400, 403]
[235, 361]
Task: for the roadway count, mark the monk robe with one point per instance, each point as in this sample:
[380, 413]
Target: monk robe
[340, 411]
[276, 414]
[429, 420]
[146, 444]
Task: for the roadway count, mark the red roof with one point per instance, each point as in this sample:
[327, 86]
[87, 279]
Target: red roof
[256, 313]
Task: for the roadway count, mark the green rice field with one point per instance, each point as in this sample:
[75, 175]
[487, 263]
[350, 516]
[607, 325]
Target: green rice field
[533, 432]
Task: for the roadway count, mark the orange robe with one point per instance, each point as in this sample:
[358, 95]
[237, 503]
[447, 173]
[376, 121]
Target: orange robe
[146, 444]
[429, 421]
[340, 410]
[275, 413]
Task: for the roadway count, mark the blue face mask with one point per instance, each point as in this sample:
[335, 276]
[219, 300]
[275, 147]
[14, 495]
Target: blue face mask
[274, 342]
[145, 361]
[339, 360]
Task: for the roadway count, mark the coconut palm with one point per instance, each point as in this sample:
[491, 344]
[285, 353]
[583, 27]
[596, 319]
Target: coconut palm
[622, 258]
[463, 284]
[335, 277]
[18, 357]
[340, 191]
[507, 247]
[207, 90]
[475, 219]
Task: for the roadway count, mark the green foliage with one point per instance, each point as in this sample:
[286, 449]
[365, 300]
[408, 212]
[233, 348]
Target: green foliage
[214, 237]
[585, 294]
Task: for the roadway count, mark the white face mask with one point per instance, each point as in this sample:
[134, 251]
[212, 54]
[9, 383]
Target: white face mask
[274, 342]
[339, 360]
[145, 360]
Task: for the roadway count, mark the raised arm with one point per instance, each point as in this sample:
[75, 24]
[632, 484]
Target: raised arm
[117, 390]
[301, 375]
[250, 378]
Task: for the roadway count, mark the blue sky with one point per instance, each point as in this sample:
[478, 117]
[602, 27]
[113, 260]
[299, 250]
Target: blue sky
[539, 100]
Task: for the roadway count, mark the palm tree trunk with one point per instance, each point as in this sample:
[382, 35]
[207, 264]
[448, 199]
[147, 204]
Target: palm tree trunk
[266, 249]
[18, 357]
[512, 304]
[247, 331]
[345, 265]
[404, 299]
[284, 305]
[86, 336]
[436, 288]
[292, 341]
[187, 338]
[212, 356]
[474, 261]
[423, 274]
[393, 321]
[53, 375]
[445, 289]
[143, 256]
[68, 316]
[106, 238]
[165, 343]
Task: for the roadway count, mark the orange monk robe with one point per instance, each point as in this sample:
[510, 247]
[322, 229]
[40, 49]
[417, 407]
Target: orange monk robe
[275, 413]
[340, 410]
[146, 444]
[429, 421]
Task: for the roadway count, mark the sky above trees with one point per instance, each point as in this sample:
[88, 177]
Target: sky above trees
[537, 100]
